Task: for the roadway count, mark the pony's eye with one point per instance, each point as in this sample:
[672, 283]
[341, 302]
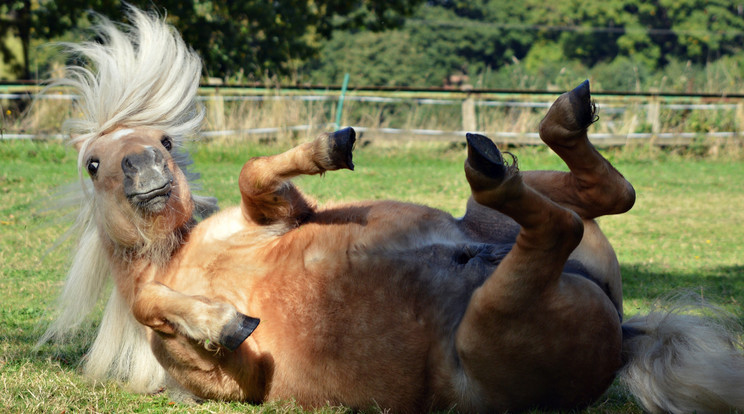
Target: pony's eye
[92, 166]
[167, 142]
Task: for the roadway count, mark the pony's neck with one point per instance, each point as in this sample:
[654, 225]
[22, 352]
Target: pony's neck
[133, 266]
[156, 252]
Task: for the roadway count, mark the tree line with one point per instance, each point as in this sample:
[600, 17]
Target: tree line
[624, 44]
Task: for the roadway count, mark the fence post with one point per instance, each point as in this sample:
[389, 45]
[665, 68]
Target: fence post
[469, 122]
[739, 118]
[652, 117]
[216, 109]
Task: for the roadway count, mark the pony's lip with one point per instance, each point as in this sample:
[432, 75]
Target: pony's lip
[147, 197]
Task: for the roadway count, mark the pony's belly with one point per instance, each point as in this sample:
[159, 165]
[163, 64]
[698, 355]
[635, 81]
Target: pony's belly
[371, 328]
[341, 303]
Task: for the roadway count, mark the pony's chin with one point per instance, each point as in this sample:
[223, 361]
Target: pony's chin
[153, 205]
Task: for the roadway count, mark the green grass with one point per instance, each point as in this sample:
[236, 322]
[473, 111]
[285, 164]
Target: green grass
[685, 232]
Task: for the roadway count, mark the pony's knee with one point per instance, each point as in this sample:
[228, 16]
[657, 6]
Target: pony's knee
[270, 198]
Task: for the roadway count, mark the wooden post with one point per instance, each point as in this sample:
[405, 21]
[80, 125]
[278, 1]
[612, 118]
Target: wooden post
[652, 117]
[469, 122]
[739, 118]
[216, 111]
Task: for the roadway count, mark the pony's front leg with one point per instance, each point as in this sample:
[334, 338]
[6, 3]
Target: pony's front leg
[267, 195]
[209, 322]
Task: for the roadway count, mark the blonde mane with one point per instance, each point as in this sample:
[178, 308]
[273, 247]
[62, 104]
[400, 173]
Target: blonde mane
[139, 75]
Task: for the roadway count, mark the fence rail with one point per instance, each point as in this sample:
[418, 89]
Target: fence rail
[628, 116]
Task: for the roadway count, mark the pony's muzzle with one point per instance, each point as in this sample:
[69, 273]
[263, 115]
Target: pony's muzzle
[147, 179]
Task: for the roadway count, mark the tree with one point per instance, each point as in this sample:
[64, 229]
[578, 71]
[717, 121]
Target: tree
[255, 38]
[650, 32]
[442, 38]
[12, 14]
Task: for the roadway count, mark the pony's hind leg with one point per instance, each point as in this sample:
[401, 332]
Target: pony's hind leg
[593, 187]
[532, 336]
[545, 226]
[267, 195]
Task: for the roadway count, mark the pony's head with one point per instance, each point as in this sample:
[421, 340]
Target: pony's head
[141, 196]
[137, 97]
[136, 91]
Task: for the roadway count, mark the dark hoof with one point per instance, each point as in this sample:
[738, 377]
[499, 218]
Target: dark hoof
[581, 105]
[237, 330]
[485, 157]
[341, 144]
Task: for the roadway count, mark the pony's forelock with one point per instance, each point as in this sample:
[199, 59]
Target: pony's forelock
[141, 75]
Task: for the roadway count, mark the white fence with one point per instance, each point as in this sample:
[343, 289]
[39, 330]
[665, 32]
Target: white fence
[646, 114]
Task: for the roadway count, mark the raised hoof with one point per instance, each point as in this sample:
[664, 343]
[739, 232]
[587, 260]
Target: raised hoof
[340, 147]
[237, 330]
[581, 105]
[484, 157]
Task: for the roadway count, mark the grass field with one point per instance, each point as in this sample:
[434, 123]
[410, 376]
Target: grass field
[685, 232]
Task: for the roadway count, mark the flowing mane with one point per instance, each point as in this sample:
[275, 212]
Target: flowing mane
[141, 74]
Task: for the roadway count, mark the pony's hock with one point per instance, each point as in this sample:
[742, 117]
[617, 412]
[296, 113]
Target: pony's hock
[516, 305]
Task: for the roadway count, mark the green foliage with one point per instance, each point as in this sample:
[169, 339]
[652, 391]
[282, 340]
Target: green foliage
[439, 41]
[11, 12]
[392, 53]
[255, 39]
[674, 45]
[628, 44]
[248, 39]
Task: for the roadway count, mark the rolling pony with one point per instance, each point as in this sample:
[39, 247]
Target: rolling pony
[516, 305]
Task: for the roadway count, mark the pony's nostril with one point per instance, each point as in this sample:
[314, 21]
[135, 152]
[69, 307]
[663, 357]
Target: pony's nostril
[127, 166]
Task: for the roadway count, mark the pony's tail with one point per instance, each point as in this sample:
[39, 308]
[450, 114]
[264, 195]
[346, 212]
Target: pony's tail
[684, 358]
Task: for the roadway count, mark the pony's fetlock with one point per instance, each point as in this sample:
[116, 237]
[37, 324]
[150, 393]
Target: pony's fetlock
[491, 179]
[568, 118]
[485, 157]
[333, 151]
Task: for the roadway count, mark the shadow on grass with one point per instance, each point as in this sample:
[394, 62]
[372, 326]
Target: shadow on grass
[723, 285]
[20, 336]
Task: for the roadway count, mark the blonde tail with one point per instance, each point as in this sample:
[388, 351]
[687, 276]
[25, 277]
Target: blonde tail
[684, 359]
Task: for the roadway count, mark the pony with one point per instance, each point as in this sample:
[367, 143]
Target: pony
[514, 306]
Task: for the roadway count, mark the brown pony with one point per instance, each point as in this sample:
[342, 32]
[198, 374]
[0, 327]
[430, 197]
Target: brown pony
[516, 305]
